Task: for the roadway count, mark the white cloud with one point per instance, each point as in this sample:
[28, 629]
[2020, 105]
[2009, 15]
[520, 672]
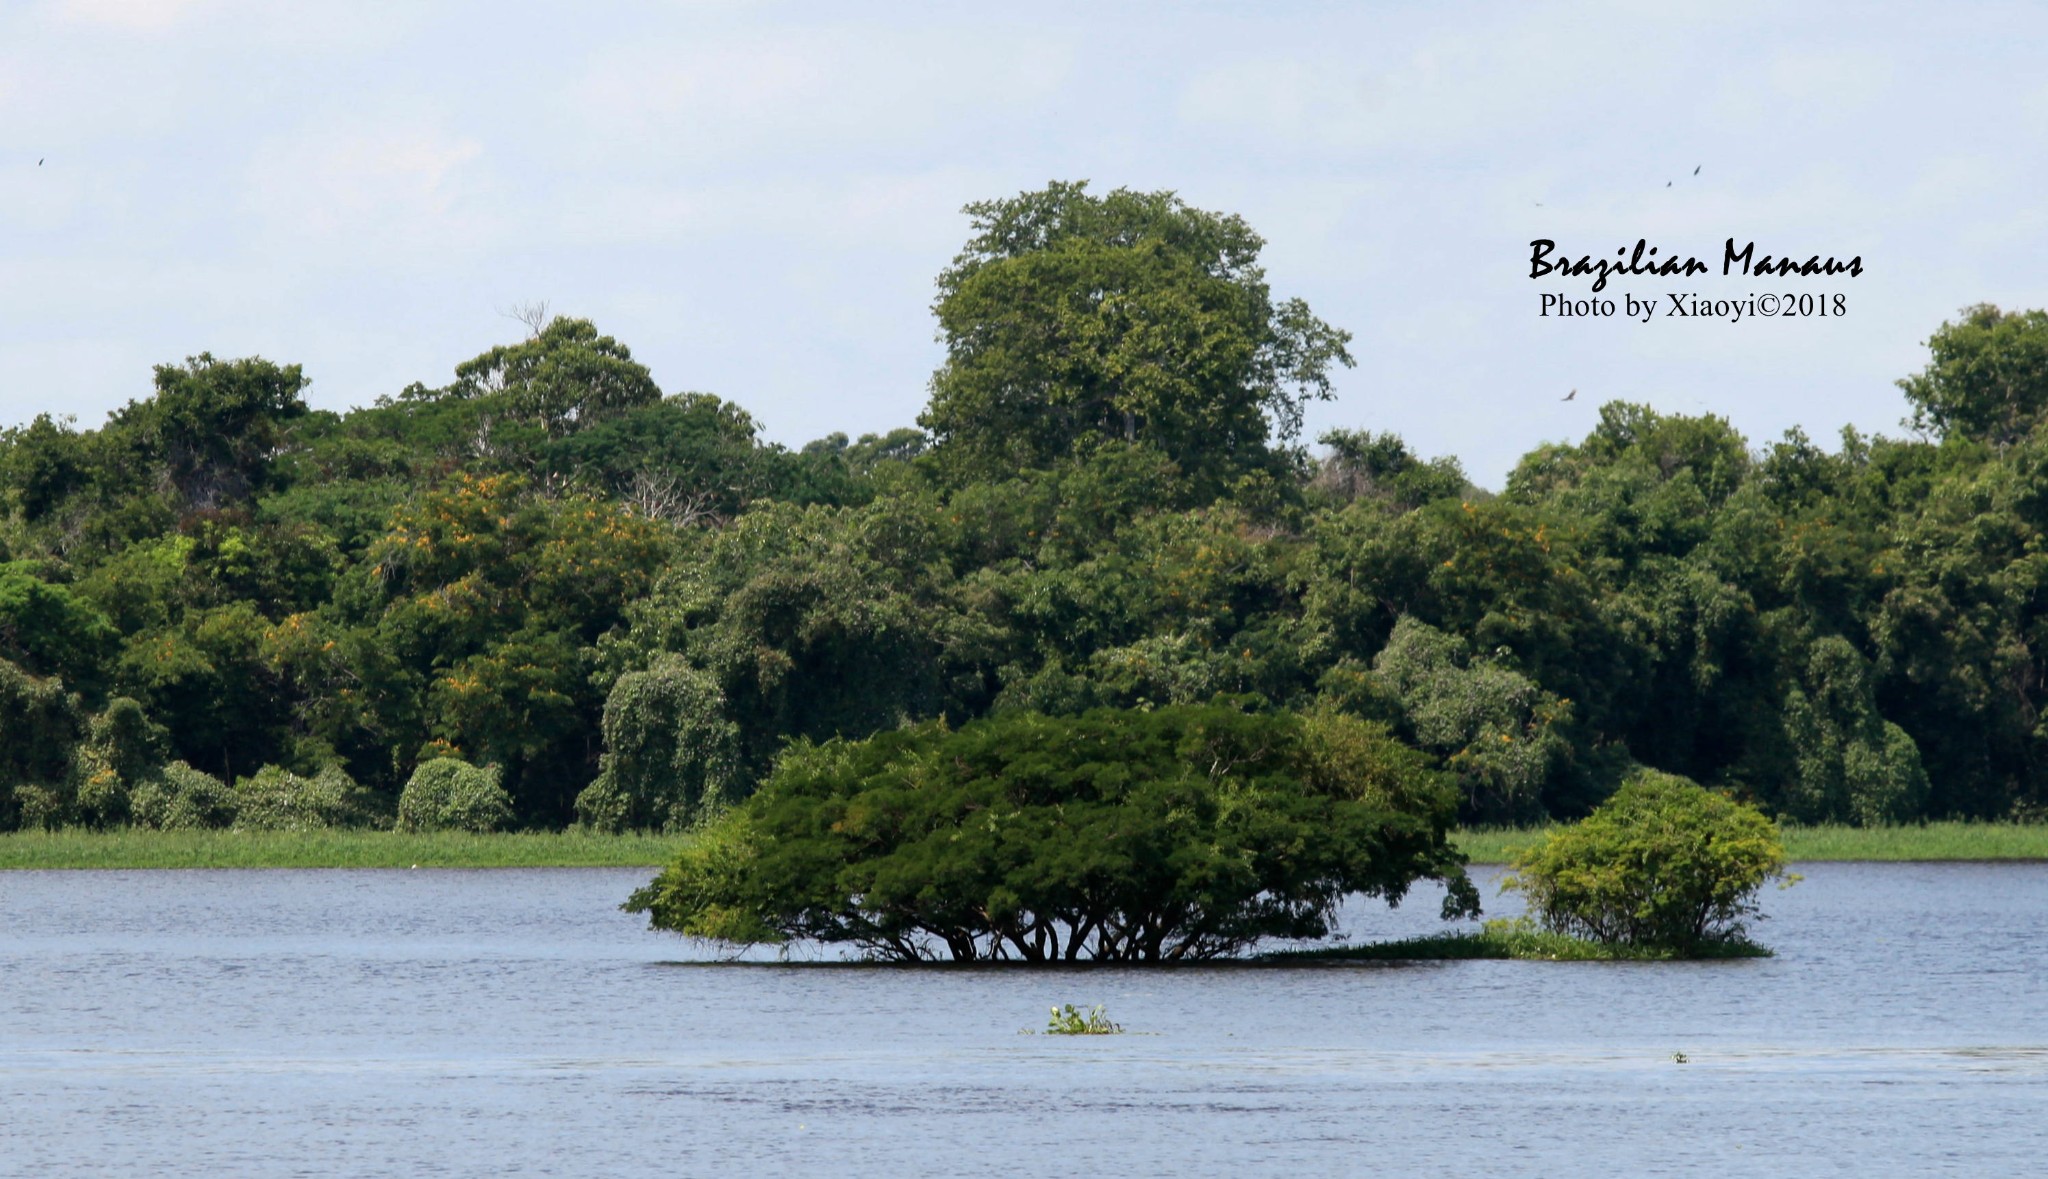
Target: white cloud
[131, 16]
[386, 189]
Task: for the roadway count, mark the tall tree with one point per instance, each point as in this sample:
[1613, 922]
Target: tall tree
[1071, 319]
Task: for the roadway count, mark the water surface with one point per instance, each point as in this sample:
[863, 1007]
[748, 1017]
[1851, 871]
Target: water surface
[515, 1022]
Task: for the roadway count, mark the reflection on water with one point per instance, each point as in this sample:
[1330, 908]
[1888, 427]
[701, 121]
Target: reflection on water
[515, 1022]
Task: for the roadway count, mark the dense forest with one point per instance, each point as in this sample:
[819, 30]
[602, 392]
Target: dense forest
[224, 607]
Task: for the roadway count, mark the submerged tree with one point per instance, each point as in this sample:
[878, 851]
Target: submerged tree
[1183, 833]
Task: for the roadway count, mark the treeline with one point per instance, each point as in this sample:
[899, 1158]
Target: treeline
[221, 606]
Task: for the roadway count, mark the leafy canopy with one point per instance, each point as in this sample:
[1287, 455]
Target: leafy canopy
[1664, 863]
[1182, 833]
[1071, 319]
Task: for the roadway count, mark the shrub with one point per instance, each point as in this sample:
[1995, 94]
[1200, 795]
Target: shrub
[1185, 832]
[121, 750]
[39, 725]
[275, 799]
[449, 794]
[1664, 863]
[670, 753]
[181, 798]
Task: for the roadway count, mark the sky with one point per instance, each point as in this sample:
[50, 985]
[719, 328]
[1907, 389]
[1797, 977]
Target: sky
[756, 197]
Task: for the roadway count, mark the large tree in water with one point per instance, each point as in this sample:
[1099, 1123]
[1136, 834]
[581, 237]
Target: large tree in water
[1072, 320]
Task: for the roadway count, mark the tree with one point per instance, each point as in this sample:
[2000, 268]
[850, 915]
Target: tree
[1664, 864]
[670, 753]
[560, 379]
[218, 424]
[50, 630]
[1986, 377]
[1177, 834]
[1497, 730]
[1071, 319]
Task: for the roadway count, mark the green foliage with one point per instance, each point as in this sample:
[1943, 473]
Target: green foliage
[1071, 319]
[562, 378]
[1663, 864]
[139, 847]
[629, 603]
[671, 756]
[1494, 727]
[1519, 939]
[1379, 467]
[39, 727]
[449, 794]
[1068, 1020]
[122, 749]
[1852, 764]
[276, 799]
[48, 629]
[1987, 378]
[217, 423]
[1181, 833]
[182, 799]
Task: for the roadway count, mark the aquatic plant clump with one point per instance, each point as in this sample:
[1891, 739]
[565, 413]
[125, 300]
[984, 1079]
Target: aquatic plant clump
[1069, 1020]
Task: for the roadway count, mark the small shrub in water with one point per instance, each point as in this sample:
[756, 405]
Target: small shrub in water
[1069, 1020]
[1664, 864]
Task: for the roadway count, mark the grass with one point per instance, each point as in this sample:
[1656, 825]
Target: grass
[137, 848]
[1933, 841]
[1517, 939]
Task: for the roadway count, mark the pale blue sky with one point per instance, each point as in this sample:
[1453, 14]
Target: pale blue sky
[756, 197]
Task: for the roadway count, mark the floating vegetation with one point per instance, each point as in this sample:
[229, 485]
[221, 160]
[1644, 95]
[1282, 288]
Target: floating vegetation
[1519, 938]
[1069, 1020]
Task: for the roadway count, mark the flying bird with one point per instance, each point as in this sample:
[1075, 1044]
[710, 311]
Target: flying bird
[1696, 171]
[39, 163]
[1667, 184]
[1569, 396]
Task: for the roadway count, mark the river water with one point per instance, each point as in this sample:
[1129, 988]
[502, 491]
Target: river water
[514, 1022]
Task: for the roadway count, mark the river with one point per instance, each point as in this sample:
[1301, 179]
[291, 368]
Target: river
[514, 1022]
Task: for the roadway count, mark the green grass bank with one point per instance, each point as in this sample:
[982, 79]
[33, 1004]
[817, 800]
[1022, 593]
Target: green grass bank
[138, 848]
[1934, 841]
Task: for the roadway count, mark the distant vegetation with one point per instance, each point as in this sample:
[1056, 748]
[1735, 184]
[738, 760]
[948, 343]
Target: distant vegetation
[222, 608]
[135, 847]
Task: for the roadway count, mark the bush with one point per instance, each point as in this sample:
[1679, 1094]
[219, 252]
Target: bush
[1664, 863]
[449, 794]
[122, 749]
[1185, 832]
[275, 799]
[670, 753]
[181, 798]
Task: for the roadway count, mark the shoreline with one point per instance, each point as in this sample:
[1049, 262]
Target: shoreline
[144, 849]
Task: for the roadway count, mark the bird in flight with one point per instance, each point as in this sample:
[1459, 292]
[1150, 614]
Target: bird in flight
[39, 163]
[1696, 171]
[1667, 184]
[1569, 396]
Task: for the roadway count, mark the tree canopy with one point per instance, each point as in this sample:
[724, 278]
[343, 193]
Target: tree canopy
[627, 605]
[1176, 834]
[1071, 320]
